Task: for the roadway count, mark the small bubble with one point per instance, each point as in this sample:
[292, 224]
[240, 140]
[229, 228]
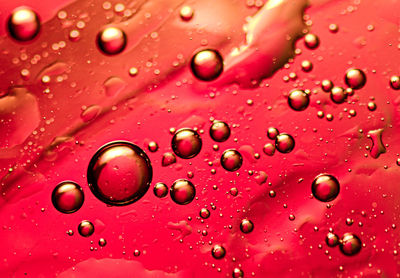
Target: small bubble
[272, 194]
[102, 242]
[136, 253]
[395, 82]
[204, 213]
[168, 159]
[334, 28]
[220, 131]
[160, 190]
[284, 143]
[67, 197]
[152, 146]
[182, 192]
[186, 13]
[325, 187]
[306, 66]
[85, 228]
[207, 64]
[311, 41]
[272, 132]
[332, 240]
[233, 191]
[74, 35]
[133, 71]
[338, 95]
[298, 100]
[292, 217]
[218, 251]
[237, 273]
[326, 85]
[246, 226]
[350, 244]
[186, 143]
[231, 160]
[269, 149]
[23, 24]
[371, 106]
[355, 78]
[111, 40]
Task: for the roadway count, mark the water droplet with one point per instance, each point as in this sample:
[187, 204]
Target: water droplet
[350, 244]
[395, 82]
[338, 95]
[220, 131]
[186, 13]
[102, 242]
[218, 251]
[85, 228]
[136, 253]
[23, 24]
[326, 85]
[325, 187]
[269, 149]
[152, 146]
[378, 147]
[160, 190]
[272, 132]
[168, 159]
[237, 273]
[298, 100]
[306, 66]
[119, 173]
[246, 226]
[67, 197]
[204, 213]
[207, 64]
[182, 192]
[311, 41]
[186, 143]
[332, 240]
[111, 40]
[231, 160]
[355, 78]
[371, 106]
[334, 28]
[284, 143]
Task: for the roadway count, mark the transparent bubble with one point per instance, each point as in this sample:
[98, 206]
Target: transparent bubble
[85, 228]
[111, 40]
[306, 66]
[338, 95]
[355, 78]
[218, 251]
[284, 143]
[311, 41]
[325, 187]
[220, 131]
[207, 64]
[186, 143]
[102, 242]
[326, 85]
[269, 149]
[67, 197]
[23, 24]
[231, 160]
[350, 244]
[182, 192]
[186, 13]
[246, 226]
[395, 82]
[272, 132]
[332, 240]
[160, 190]
[119, 173]
[152, 146]
[298, 100]
[204, 213]
[237, 273]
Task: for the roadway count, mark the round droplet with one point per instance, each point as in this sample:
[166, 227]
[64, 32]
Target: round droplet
[160, 190]
[311, 41]
[306, 66]
[338, 95]
[220, 131]
[67, 197]
[186, 13]
[272, 132]
[186, 143]
[102, 242]
[231, 160]
[237, 273]
[23, 24]
[85, 228]
[298, 100]
[326, 85]
[111, 40]
[332, 240]
[269, 149]
[182, 192]
[218, 251]
[371, 106]
[350, 244]
[152, 146]
[395, 82]
[325, 187]
[136, 253]
[334, 28]
[246, 226]
[284, 143]
[355, 78]
[207, 64]
[119, 173]
[204, 213]
[168, 159]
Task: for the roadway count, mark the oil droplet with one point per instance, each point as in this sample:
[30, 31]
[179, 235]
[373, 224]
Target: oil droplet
[298, 100]
[371, 106]
[168, 159]
[284, 143]
[269, 149]
[231, 160]
[186, 13]
[395, 82]
[332, 240]
[246, 226]
[326, 85]
[218, 251]
[306, 66]
[207, 65]
[355, 78]
[186, 143]
[182, 192]
[220, 131]
[67, 197]
[111, 40]
[152, 146]
[325, 187]
[350, 244]
[377, 146]
[85, 228]
[102, 242]
[311, 41]
[237, 273]
[119, 173]
[272, 132]
[204, 213]
[160, 190]
[23, 24]
[338, 95]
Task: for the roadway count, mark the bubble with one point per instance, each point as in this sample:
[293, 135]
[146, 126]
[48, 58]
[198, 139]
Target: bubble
[186, 13]
[111, 40]
[326, 85]
[168, 159]
[231, 160]
[186, 143]
[325, 187]
[237, 273]
[220, 131]
[136, 253]
[204, 213]
[160, 190]
[269, 149]
[334, 28]
[338, 95]
[332, 240]
[207, 64]
[152, 146]
[182, 192]
[67, 197]
[102, 242]
[119, 173]
[272, 132]
[350, 244]
[218, 251]
[311, 41]
[395, 82]
[306, 66]
[284, 143]
[23, 24]
[85, 228]
[246, 226]
[298, 100]
[355, 78]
